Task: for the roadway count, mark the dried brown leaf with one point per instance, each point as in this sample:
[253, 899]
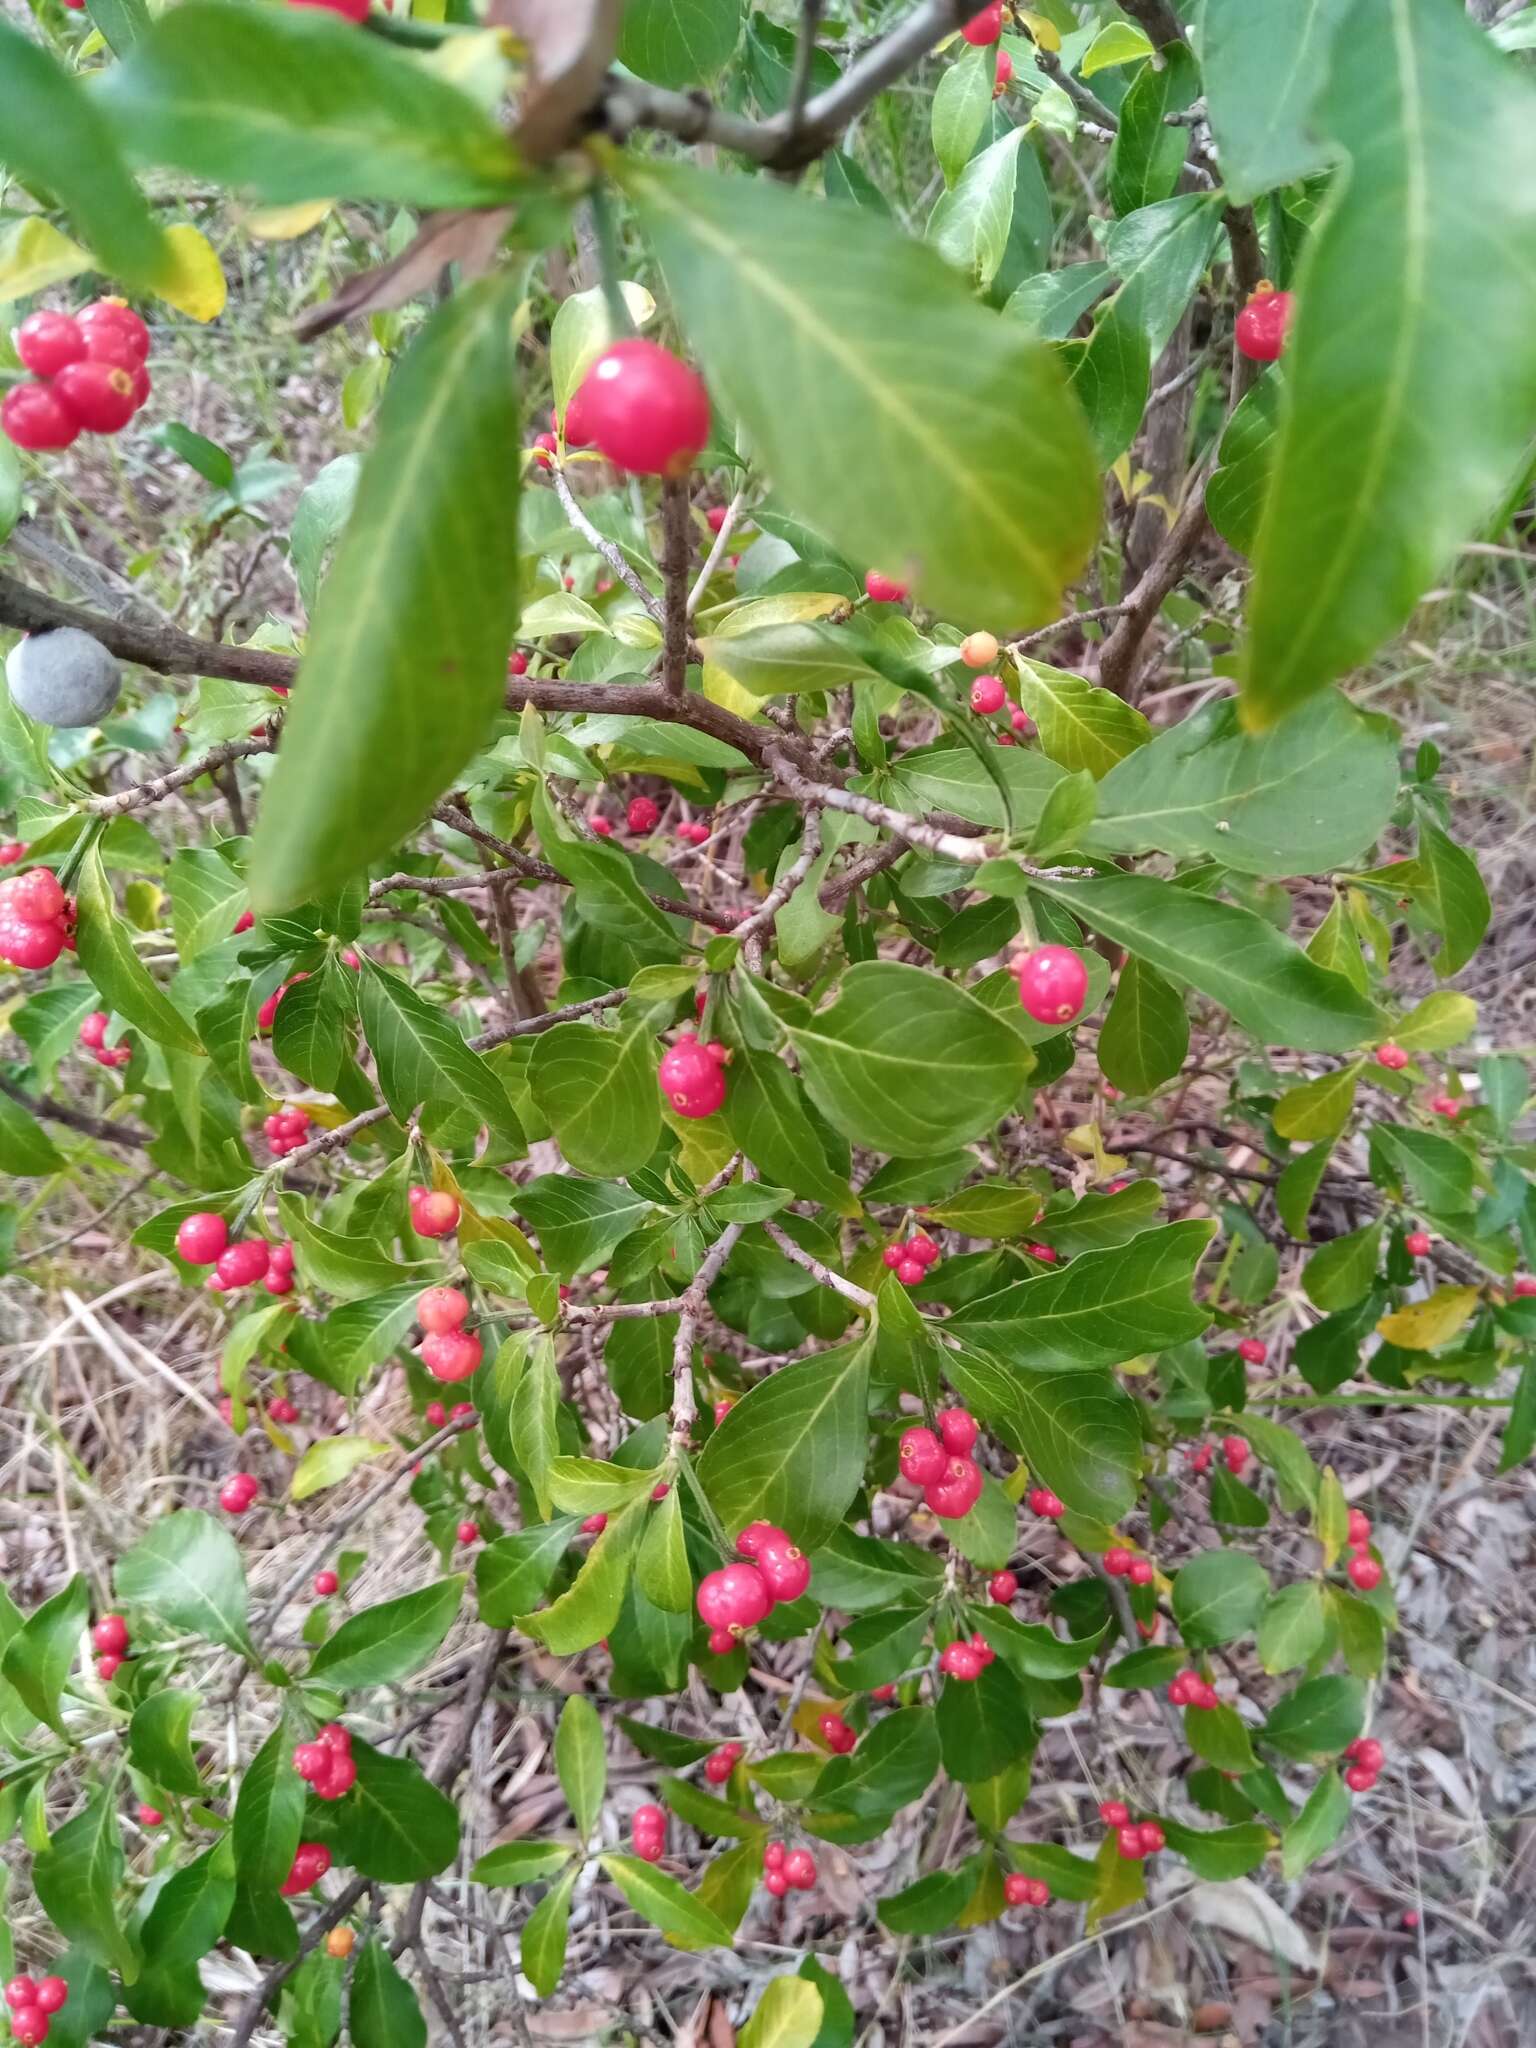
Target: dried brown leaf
[468, 238]
[570, 45]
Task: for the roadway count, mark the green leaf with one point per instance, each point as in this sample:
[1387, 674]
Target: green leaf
[592, 1486]
[108, 957]
[307, 1034]
[1218, 1596]
[1343, 1271]
[663, 1901]
[1316, 1828]
[1220, 1854]
[1318, 1110]
[207, 897]
[1080, 724]
[581, 330]
[792, 1449]
[294, 106]
[1145, 1037]
[795, 303]
[679, 42]
[76, 1879]
[422, 1059]
[1160, 253]
[581, 1762]
[1148, 152]
[580, 1222]
[589, 1607]
[25, 1147]
[1336, 945]
[1053, 302]
[1234, 497]
[597, 1089]
[343, 1263]
[1111, 374]
[1100, 1310]
[1292, 1626]
[542, 1949]
[1120, 42]
[1078, 1431]
[330, 1461]
[1217, 1734]
[962, 101]
[383, 2011]
[766, 1115]
[394, 1825]
[1451, 889]
[1395, 440]
[1519, 1437]
[1265, 804]
[907, 1063]
[189, 1573]
[386, 1643]
[929, 1905]
[1069, 1876]
[1263, 68]
[521, 1863]
[512, 1573]
[894, 1764]
[1440, 1021]
[662, 1566]
[41, 1655]
[536, 1421]
[1231, 955]
[788, 2015]
[881, 1647]
[969, 225]
[270, 1811]
[319, 519]
[1036, 1651]
[345, 1346]
[160, 1742]
[55, 138]
[405, 663]
[1318, 1719]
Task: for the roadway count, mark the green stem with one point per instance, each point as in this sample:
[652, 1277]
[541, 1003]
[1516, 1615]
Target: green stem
[608, 258]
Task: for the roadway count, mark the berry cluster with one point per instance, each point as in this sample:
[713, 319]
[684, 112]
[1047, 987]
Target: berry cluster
[1366, 1757]
[434, 1212]
[268, 1010]
[1189, 1689]
[642, 408]
[311, 1861]
[1200, 1457]
[109, 1639]
[326, 1764]
[693, 832]
[966, 1660]
[287, 1129]
[648, 1833]
[910, 1261]
[1053, 983]
[1137, 1839]
[1364, 1571]
[1019, 1890]
[238, 1492]
[787, 1870]
[448, 1351]
[1263, 323]
[1047, 1504]
[738, 1596]
[1234, 1451]
[692, 1076]
[837, 1735]
[719, 1766]
[1120, 1563]
[93, 1037]
[36, 919]
[33, 2002]
[437, 1414]
[90, 375]
[248, 1260]
[884, 589]
[944, 1466]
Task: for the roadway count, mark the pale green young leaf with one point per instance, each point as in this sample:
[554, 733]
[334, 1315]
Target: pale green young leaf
[581, 1761]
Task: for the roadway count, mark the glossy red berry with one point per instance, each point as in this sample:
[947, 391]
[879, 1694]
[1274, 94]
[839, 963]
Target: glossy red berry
[1262, 324]
[108, 1667]
[721, 1641]
[1130, 1842]
[1142, 1571]
[988, 695]
[957, 1431]
[34, 416]
[923, 1249]
[602, 826]
[641, 815]
[326, 1583]
[1152, 1838]
[98, 396]
[723, 1407]
[114, 316]
[1200, 1456]
[52, 1994]
[692, 1082]
[959, 1660]
[1020, 719]
[29, 2026]
[775, 1883]
[1366, 1750]
[786, 1570]
[244, 1262]
[1016, 1888]
[1234, 1449]
[150, 1816]
[921, 1455]
[1359, 1526]
[1053, 984]
[45, 342]
[1115, 1813]
[451, 1355]
[35, 897]
[440, 1309]
[799, 1868]
[434, 1212]
[911, 1272]
[1003, 1587]
[1365, 1573]
[719, 1766]
[648, 1833]
[756, 1534]
[1446, 1106]
[1525, 1286]
[735, 1597]
[594, 1525]
[1359, 1779]
[1117, 1562]
[644, 409]
[1253, 1350]
[110, 1635]
[883, 589]
[985, 28]
[1045, 1503]
[237, 1493]
[310, 1863]
[1417, 1244]
[1392, 1057]
[956, 1491]
[12, 851]
[836, 1734]
[20, 1991]
[30, 945]
[468, 1532]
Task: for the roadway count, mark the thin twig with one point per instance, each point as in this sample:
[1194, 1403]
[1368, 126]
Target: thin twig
[610, 551]
[143, 794]
[676, 532]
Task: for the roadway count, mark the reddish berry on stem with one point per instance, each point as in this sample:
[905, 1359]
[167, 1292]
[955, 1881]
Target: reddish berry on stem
[33, 416]
[150, 1816]
[46, 341]
[959, 1660]
[956, 1491]
[1234, 1449]
[451, 1355]
[641, 815]
[988, 695]
[785, 1568]
[310, 1863]
[1262, 324]
[1053, 984]
[799, 1869]
[1446, 1106]
[984, 29]
[1359, 1526]
[1115, 1813]
[98, 396]
[979, 650]
[468, 1532]
[1004, 76]
[108, 1667]
[735, 1597]
[719, 1766]
[1117, 1562]
[434, 1212]
[1003, 1587]
[244, 1262]
[237, 1493]
[52, 1994]
[883, 589]
[110, 1635]
[1417, 1244]
[691, 1079]
[1365, 1573]
[1392, 1057]
[957, 1431]
[643, 409]
[1525, 1286]
[326, 1583]
[440, 1309]
[648, 1833]
[1142, 1572]
[836, 1734]
[1253, 1350]
[921, 1455]
[112, 316]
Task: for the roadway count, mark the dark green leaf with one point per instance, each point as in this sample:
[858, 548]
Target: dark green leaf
[394, 1825]
[931, 1904]
[512, 1573]
[1263, 68]
[1145, 1037]
[679, 42]
[1219, 1854]
[1317, 1719]
[43, 1652]
[1218, 1596]
[581, 1761]
[598, 1091]
[1148, 151]
[422, 1058]
[792, 1449]
[521, 1862]
[188, 1572]
[1077, 1431]
[76, 1879]
[160, 1742]
[383, 2011]
[1317, 1827]
[542, 1950]
[108, 957]
[386, 1643]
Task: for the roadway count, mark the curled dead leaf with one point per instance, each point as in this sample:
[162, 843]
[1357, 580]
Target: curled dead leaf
[570, 45]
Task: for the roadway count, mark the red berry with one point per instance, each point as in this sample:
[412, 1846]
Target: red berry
[883, 589]
[602, 826]
[1045, 1253]
[1392, 1057]
[1359, 1779]
[719, 1766]
[237, 1493]
[1365, 1573]
[959, 1660]
[911, 1272]
[1152, 1837]
[436, 1414]
[956, 1491]
[1142, 1571]
[693, 1082]
[735, 1597]
[721, 1641]
[1021, 722]
[1130, 1843]
[957, 1431]
[1445, 1105]
[19, 1992]
[468, 1532]
[775, 1883]
[244, 1262]
[326, 1583]
[644, 409]
[1366, 1750]
[150, 1816]
[12, 851]
[786, 1570]
[648, 1831]
[1016, 1888]
[310, 1863]
[45, 342]
[1359, 1526]
[1262, 324]
[641, 815]
[30, 945]
[883, 1693]
[34, 898]
[988, 695]
[1114, 1813]
[1525, 1286]
[921, 1455]
[1410, 1919]
[108, 1667]
[1253, 1350]
[451, 1355]
[799, 1869]
[1117, 1562]
[441, 1309]
[34, 416]
[1053, 984]
[723, 1408]
[111, 1635]
[29, 2026]
[985, 28]
[923, 1249]
[1416, 1244]
[1003, 1587]
[99, 396]
[113, 316]
[1235, 1451]
[836, 1734]
[1200, 1457]
[434, 1212]
[52, 1994]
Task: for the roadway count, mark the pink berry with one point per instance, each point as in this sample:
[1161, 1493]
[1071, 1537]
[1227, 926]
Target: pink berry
[957, 1431]
[1359, 1779]
[1016, 1888]
[719, 1766]
[1018, 717]
[35, 897]
[1365, 1573]
[1118, 1562]
[1417, 1244]
[923, 1249]
[12, 851]
[956, 1491]
[1253, 1350]
[1053, 984]
[20, 1991]
[1262, 324]
[1392, 1057]
[451, 1355]
[642, 814]
[1200, 1457]
[921, 1456]
[648, 1833]
[1115, 1813]
[1003, 1587]
[786, 1570]
[959, 1660]
[1142, 1571]
[883, 589]
[46, 341]
[721, 1641]
[723, 1408]
[775, 1883]
[436, 1414]
[113, 316]
[30, 945]
[594, 1525]
[244, 1262]
[693, 1082]
[1045, 1253]
[237, 1493]
[988, 695]
[110, 1635]
[150, 1816]
[799, 1870]
[1234, 1449]
[326, 1583]
[836, 1734]
[434, 1212]
[441, 1309]
[1525, 1286]
[911, 1272]
[646, 411]
[1359, 1526]
[310, 1863]
[29, 2026]
[108, 1667]
[52, 1994]
[1130, 1843]
[985, 28]
[1445, 1105]
[34, 416]
[1152, 1837]
[735, 1597]
[468, 1532]
[602, 826]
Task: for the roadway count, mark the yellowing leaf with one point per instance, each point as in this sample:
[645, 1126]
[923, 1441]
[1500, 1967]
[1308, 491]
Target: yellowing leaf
[192, 280]
[330, 1461]
[286, 223]
[1318, 1109]
[34, 255]
[1120, 43]
[1045, 32]
[1440, 1021]
[1426, 1325]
